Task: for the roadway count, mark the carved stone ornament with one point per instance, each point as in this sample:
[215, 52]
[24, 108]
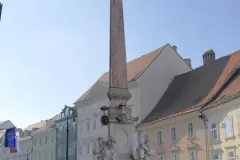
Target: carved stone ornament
[143, 152]
[105, 149]
[124, 117]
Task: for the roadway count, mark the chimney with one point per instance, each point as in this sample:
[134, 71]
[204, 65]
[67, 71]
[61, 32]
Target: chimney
[208, 56]
[175, 48]
[188, 61]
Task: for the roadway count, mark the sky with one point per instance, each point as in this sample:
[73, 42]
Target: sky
[52, 51]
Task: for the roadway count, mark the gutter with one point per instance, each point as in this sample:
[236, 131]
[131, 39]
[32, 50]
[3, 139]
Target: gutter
[203, 117]
[171, 116]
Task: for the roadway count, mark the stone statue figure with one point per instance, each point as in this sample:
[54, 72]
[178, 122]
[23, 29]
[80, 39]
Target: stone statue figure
[105, 150]
[143, 152]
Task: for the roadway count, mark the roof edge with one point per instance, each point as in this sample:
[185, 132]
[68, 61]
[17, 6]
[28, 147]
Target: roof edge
[228, 69]
[141, 73]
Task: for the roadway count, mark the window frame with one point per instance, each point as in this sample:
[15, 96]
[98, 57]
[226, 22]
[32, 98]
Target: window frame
[193, 132]
[46, 139]
[94, 124]
[234, 154]
[175, 156]
[219, 155]
[194, 154]
[213, 130]
[146, 137]
[173, 139]
[231, 120]
[160, 157]
[159, 142]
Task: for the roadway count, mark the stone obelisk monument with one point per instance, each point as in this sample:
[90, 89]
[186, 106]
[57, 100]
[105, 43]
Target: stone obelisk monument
[121, 121]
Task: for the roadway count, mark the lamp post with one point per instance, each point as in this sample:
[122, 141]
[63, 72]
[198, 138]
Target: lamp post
[70, 112]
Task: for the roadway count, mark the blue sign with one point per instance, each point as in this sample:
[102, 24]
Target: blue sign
[10, 137]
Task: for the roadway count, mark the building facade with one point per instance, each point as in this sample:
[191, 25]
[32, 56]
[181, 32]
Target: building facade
[66, 135]
[149, 77]
[197, 117]
[24, 150]
[44, 141]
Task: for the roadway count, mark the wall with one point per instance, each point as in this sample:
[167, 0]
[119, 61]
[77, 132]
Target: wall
[44, 144]
[183, 144]
[217, 115]
[25, 144]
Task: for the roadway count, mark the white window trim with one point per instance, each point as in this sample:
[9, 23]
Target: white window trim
[147, 137]
[193, 130]
[175, 133]
[228, 118]
[160, 130]
[238, 123]
[234, 152]
[160, 156]
[211, 130]
[219, 154]
[176, 154]
[195, 154]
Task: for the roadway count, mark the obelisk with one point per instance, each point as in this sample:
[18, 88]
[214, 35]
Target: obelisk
[121, 122]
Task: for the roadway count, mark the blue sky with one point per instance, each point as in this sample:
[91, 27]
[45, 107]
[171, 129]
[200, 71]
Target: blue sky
[51, 51]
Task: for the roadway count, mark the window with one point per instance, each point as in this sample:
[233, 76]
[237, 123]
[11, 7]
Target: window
[228, 128]
[80, 150]
[231, 154]
[35, 142]
[87, 126]
[52, 138]
[174, 156]
[159, 137]
[214, 131]
[160, 157]
[40, 142]
[145, 137]
[87, 148]
[190, 129]
[45, 140]
[94, 124]
[52, 156]
[174, 134]
[192, 155]
[45, 155]
[215, 156]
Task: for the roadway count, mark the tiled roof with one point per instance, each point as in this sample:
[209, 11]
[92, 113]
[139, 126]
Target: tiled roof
[229, 91]
[232, 61]
[36, 125]
[43, 127]
[188, 89]
[134, 68]
[2, 122]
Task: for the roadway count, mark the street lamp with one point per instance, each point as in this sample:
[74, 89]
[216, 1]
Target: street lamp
[70, 112]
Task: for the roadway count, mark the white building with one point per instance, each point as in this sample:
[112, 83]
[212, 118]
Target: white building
[44, 141]
[25, 145]
[148, 76]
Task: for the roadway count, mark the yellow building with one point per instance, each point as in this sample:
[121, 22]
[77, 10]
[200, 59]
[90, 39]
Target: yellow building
[196, 106]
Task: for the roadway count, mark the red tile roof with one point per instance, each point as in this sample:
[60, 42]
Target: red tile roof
[234, 59]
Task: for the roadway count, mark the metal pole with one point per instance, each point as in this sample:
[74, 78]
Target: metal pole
[67, 140]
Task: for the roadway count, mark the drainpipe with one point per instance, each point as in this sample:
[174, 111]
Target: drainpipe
[203, 117]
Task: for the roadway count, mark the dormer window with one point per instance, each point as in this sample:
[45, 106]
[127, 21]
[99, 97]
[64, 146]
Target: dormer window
[62, 115]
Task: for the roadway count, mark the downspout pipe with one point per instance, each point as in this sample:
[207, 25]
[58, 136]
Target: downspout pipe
[203, 117]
